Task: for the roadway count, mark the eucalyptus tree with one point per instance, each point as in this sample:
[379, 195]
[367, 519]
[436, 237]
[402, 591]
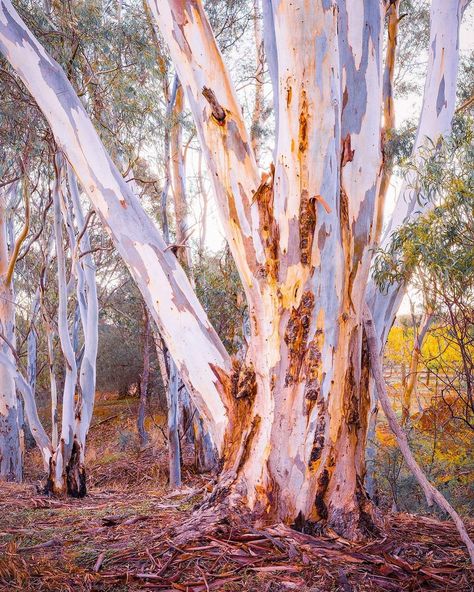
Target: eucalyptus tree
[289, 417]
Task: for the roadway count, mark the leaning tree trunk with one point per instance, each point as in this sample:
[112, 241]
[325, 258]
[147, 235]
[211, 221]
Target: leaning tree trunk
[174, 306]
[10, 449]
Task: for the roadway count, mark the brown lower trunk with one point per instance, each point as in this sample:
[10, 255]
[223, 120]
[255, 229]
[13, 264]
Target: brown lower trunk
[76, 473]
[73, 479]
[296, 452]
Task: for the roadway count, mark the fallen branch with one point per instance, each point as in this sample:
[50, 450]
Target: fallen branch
[430, 491]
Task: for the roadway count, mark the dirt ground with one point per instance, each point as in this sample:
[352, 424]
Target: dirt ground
[127, 534]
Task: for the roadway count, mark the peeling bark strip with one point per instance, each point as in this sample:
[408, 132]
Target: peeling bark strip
[269, 230]
[167, 292]
[312, 364]
[307, 225]
[296, 336]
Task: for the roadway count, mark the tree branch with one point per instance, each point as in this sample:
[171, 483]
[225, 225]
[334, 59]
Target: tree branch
[23, 234]
[430, 491]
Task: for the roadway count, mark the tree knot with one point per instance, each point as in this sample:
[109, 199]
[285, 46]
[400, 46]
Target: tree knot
[217, 110]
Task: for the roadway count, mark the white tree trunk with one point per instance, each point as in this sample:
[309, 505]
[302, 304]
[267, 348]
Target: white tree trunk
[302, 251]
[170, 380]
[11, 462]
[89, 311]
[173, 425]
[63, 453]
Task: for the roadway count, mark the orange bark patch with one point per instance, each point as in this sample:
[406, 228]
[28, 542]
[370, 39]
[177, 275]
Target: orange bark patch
[313, 366]
[307, 222]
[347, 153]
[269, 231]
[243, 381]
[296, 336]
[303, 124]
[344, 210]
[247, 444]
[313, 359]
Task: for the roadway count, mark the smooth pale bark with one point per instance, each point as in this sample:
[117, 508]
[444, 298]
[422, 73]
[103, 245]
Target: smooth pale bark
[439, 99]
[60, 461]
[179, 189]
[167, 159]
[217, 114]
[173, 425]
[204, 206]
[89, 311]
[165, 288]
[31, 364]
[11, 461]
[49, 332]
[53, 386]
[32, 342]
[431, 493]
[37, 430]
[203, 447]
[205, 457]
[170, 380]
